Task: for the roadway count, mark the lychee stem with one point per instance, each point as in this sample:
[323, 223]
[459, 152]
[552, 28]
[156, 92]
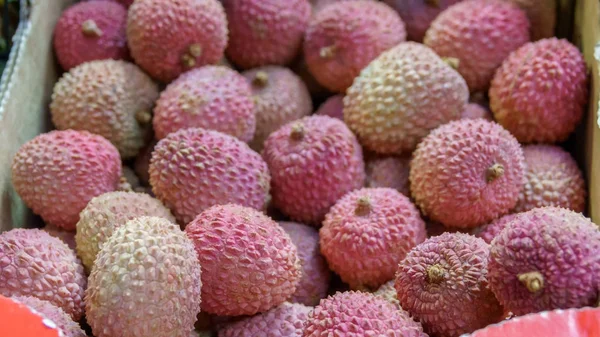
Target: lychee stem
[453, 62]
[188, 61]
[494, 172]
[195, 50]
[327, 52]
[433, 3]
[124, 185]
[435, 274]
[261, 78]
[534, 281]
[363, 206]
[143, 117]
[90, 28]
[297, 132]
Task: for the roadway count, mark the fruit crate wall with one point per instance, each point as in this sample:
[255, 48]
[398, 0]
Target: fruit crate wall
[31, 72]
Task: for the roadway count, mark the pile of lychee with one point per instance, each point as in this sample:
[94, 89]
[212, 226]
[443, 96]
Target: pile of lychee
[305, 168]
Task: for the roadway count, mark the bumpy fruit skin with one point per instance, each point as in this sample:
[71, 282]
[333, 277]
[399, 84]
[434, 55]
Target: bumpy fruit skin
[145, 282]
[194, 169]
[93, 30]
[110, 98]
[401, 96]
[33, 263]
[542, 16]
[547, 258]
[211, 97]
[53, 313]
[474, 111]
[249, 263]
[263, 32]
[346, 36]
[490, 231]
[552, 179]
[480, 34]
[332, 107]
[367, 233]
[286, 320]
[167, 38]
[387, 291]
[540, 91]
[467, 173]
[65, 236]
[279, 97]
[305, 158]
[418, 14]
[104, 214]
[391, 172]
[314, 282]
[58, 172]
[358, 314]
[443, 283]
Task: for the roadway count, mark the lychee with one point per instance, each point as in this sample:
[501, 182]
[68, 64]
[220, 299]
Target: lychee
[540, 91]
[542, 16]
[65, 236]
[286, 320]
[547, 258]
[193, 169]
[210, 97]
[332, 107]
[346, 36]
[168, 38]
[387, 291]
[391, 172]
[467, 173]
[58, 172]
[480, 34]
[249, 263]
[490, 231]
[443, 284]
[401, 96]
[305, 157]
[474, 111]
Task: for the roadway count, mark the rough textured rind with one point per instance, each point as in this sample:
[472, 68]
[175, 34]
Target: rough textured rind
[480, 34]
[540, 91]
[305, 158]
[474, 111]
[145, 282]
[249, 263]
[388, 293]
[167, 38]
[552, 179]
[113, 99]
[58, 172]
[263, 32]
[467, 173]
[332, 107]
[490, 231]
[33, 263]
[345, 37]
[65, 236]
[286, 320]
[194, 169]
[104, 214]
[418, 14]
[542, 16]
[391, 172]
[367, 233]
[357, 314]
[443, 284]
[562, 246]
[50, 311]
[211, 97]
[314, 282]
[93, 30]
[401, 96]
[279, 97]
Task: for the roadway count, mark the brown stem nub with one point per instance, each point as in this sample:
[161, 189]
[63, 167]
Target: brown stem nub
[453, 62]
[188, 61]
[433, 3]
[435, 274]
[297, 132]
[195, 50]
[261, 79]
[90, 28]
[534, 281]
[327, 52]
[494, 172]
[124, 185]
[143, 117]
[363, 206]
